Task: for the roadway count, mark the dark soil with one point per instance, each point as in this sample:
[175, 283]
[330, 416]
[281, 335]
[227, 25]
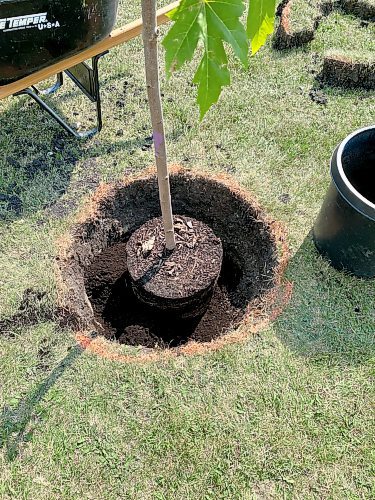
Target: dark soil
[171, 277]
[96, 289]
[285, 198]
[131, 322]
[339, 71]
[318, 96]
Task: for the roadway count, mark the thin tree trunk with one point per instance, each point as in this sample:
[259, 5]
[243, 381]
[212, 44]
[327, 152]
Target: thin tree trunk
[150, 44]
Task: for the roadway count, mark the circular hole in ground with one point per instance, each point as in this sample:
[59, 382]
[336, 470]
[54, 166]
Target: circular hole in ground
[96, 289]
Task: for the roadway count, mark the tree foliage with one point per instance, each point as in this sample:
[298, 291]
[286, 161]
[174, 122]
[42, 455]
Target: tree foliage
[216, 25]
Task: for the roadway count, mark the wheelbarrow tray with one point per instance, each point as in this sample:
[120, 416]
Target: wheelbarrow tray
[35, 34]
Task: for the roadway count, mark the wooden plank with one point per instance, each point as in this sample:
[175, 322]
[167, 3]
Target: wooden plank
[117, 37]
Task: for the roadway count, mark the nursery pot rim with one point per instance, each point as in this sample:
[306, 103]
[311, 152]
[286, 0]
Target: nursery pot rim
[344, 186]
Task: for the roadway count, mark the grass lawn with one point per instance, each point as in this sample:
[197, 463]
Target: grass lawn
[287, 414]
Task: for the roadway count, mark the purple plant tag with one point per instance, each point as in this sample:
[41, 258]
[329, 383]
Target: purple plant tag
[158, 142]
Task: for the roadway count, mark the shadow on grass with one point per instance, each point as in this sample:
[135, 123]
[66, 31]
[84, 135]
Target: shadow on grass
[39, 157]
[14, 422]
[37, 160]
[331, 316]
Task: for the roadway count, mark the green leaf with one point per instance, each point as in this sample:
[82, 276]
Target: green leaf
[211, 22]
[171, 13]
[212, 75]
[260, 22]
[182, 39]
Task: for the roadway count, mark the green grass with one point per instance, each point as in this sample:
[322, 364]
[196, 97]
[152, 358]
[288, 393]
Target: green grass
[289, 413]
[344, 33]
[303, 14]
[353, 56]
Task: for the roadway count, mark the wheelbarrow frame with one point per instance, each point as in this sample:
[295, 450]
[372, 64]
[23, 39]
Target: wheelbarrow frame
[84, 76]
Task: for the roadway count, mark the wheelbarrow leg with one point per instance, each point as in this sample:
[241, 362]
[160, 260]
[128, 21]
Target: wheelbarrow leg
[34, 95]
[86, 78]
[54, 88]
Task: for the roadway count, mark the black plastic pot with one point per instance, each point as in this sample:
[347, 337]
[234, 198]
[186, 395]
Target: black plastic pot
[37, 33]
[345, 228]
